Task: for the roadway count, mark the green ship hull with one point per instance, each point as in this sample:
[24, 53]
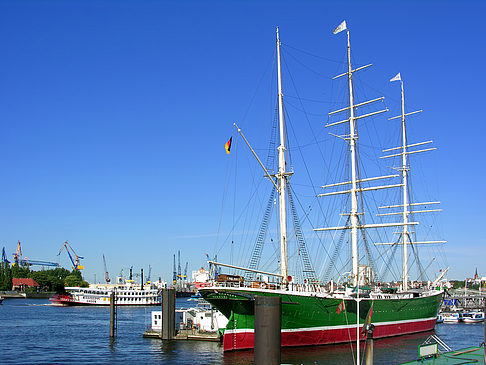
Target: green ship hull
[311, 318]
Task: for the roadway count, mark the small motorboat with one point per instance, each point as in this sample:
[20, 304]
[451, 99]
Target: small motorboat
[473, 317]
[439, 319]
[1, 300]
[452, 317]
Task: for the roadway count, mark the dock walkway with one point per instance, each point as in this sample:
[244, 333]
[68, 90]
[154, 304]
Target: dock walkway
[186, 335]
[468, 355]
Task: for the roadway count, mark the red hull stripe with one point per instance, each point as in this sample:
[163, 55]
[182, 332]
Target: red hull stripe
[244, 339]
[73, 303]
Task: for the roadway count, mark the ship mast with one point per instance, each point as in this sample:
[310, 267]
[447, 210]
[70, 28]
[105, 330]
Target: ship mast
[353, 192]
[354, 184]
[404, 171]
[280, 183]
[407, 206]
[282, 175]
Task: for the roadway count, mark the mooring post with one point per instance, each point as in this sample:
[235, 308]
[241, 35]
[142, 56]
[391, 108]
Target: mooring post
[168, 314]
[112, 314]
[161, 292]
[268, 321]
[369, 344]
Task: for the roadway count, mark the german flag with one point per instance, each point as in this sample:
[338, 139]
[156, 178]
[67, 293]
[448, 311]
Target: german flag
[227, 146]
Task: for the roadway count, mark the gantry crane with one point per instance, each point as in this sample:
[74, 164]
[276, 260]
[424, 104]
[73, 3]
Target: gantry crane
[76, 260]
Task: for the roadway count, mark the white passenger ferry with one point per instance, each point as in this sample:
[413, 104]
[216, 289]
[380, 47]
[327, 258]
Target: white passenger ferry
[126, 293]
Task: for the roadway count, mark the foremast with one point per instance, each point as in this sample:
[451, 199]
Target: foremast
[280, 184]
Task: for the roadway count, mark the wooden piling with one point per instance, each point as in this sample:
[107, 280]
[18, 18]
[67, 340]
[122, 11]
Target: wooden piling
[268, 321]
[112, 314]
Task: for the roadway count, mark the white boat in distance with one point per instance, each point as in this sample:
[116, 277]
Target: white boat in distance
[473, 317]
[452, 317]
[126, 294]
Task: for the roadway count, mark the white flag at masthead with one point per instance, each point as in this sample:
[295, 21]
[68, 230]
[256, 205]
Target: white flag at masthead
[396, 78]
[340, 27]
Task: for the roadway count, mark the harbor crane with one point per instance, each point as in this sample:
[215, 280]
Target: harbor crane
[17, 255]
[22, 261]
[179, 274]
[107, 276]
[70, 251]
[185, 272]
[147, 279]
[174, 276]
[4, 257]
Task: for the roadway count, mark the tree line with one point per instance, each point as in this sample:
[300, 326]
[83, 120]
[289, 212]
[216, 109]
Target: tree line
[48, 280]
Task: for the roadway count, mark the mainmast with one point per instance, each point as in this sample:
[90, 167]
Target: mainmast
[354, 194]
[282, 175]
[354, 184]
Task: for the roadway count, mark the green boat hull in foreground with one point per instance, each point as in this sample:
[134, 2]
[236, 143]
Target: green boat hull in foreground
[313, 318]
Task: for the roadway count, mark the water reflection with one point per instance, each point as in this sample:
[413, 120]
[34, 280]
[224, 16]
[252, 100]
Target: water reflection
[81, 334]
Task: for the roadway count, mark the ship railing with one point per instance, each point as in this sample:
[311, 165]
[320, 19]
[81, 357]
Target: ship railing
[293, 287]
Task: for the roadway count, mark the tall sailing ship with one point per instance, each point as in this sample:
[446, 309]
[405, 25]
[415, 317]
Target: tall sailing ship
[314, 313]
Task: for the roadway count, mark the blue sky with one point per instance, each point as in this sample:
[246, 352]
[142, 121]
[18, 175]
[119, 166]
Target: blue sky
[114, 114]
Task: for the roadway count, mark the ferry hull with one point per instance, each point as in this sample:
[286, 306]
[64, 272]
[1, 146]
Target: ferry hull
[100, 301]
[310, 320]
[73, 303]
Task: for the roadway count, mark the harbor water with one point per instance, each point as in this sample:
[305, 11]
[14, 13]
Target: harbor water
[34, 332]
